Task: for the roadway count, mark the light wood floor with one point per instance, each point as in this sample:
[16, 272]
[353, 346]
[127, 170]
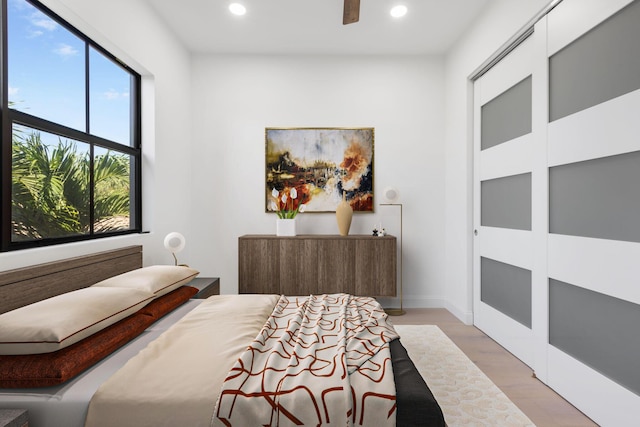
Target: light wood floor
[541, 404]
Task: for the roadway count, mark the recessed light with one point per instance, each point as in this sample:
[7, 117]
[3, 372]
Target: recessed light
[237, 9]
[398, 11]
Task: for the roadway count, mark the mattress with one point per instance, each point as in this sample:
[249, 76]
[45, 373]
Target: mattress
[181, 387]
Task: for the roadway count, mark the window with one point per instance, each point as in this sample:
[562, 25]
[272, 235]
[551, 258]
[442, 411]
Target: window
[71, 157]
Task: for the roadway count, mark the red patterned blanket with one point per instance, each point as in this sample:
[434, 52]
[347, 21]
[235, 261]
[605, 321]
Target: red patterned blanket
[321, 360]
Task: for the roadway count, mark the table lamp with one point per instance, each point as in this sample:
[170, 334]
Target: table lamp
[174, 242]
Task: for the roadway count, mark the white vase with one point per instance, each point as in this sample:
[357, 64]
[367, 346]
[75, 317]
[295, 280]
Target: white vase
[286, 227]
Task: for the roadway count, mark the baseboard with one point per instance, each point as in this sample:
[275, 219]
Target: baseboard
[465, 316]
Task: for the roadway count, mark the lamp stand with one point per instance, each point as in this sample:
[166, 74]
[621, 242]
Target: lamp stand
[397, 311]
[175, 259]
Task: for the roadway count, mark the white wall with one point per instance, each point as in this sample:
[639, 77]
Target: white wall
[203, 172]
[236, 97]
[142, 41]
[498, 23]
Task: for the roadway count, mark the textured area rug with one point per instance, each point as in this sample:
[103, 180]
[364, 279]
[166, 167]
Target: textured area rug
[465, 394]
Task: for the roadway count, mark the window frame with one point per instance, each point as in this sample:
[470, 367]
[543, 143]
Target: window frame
[8, 116]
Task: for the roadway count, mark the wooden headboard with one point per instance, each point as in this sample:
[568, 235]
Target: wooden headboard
[27, 285]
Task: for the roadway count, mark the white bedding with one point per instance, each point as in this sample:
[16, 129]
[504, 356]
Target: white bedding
[66, 405]
[136, 387]
[179, 388]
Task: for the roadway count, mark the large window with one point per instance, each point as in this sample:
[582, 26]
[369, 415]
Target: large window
[70, 163]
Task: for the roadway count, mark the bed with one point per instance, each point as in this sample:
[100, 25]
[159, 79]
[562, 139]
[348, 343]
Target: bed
[172, 371]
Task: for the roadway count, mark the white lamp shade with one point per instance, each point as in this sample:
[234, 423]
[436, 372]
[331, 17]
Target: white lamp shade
[174, 242]
[391, 194]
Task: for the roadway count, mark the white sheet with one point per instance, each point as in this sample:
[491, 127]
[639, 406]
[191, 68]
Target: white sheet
[180, 388]
[66, 405]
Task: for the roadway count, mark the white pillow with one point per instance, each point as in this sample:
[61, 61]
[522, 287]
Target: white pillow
[157, 279]
[58, 322]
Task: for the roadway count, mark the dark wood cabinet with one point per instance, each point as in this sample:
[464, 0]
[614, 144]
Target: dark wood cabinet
[317, 264]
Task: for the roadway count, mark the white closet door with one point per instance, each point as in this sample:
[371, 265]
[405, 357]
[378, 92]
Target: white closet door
[557, 205]
[594, 207]
[509, 181]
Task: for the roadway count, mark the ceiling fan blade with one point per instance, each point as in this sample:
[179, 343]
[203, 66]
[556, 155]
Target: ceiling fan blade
[351, 12]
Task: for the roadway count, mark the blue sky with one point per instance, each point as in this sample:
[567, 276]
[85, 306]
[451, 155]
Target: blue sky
[46, 76]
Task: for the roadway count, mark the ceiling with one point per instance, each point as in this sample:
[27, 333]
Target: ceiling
[315, 26]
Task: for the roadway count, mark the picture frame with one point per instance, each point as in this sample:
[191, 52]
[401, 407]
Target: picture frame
[321, 164]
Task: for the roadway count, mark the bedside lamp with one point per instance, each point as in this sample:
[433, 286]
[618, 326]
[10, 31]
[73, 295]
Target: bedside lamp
[391, 196]
[174, 242]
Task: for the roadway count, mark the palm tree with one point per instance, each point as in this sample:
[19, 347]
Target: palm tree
[39, 175]
[50, 188]
[111, 192]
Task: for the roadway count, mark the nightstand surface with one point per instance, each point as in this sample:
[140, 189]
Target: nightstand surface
[207, 286]
[13, 418]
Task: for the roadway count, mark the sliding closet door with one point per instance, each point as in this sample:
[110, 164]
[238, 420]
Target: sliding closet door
[509, 180]
[557, 205]
[594, 207]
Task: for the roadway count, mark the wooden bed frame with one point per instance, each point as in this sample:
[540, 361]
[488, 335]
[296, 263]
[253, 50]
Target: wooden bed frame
[23, 286]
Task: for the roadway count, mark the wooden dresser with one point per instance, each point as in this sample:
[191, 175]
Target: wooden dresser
[317, 264]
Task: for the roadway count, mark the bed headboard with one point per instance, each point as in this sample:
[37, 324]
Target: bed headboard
[27, 285]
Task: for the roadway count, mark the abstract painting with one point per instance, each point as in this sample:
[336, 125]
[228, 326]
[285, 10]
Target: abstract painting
[321, 164]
